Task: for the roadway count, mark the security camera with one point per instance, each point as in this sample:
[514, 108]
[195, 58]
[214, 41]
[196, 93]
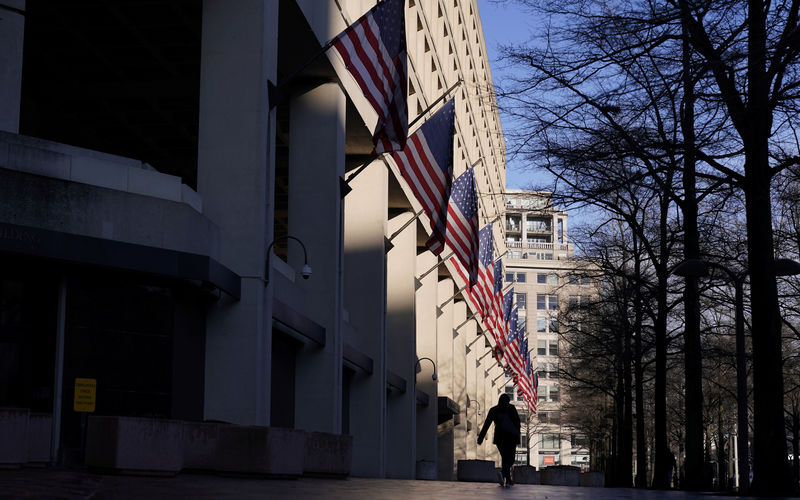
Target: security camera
[306, 272]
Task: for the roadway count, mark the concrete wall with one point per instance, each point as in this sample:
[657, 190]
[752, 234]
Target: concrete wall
[12, 28]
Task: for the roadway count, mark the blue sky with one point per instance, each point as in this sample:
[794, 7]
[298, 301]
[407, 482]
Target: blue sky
[504, 22]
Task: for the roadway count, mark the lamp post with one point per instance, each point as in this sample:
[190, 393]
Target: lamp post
[305, 272]
[699, 268]
[418, 367]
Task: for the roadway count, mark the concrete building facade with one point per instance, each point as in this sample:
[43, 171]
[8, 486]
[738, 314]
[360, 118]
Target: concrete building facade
[547, 279]
[161, 209]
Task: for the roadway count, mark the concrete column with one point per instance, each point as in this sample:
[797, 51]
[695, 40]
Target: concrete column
[474, 349]
[425, 306]
[523, 230]
[554, 231]
[12, 30]
[444, 362]
[235, 178]
[316, 163]
[460, 380]
[365, 211]
[401, 455]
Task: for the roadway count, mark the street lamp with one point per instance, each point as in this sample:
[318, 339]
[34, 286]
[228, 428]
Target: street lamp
[696, 268]
[418, 367]
[305, 272]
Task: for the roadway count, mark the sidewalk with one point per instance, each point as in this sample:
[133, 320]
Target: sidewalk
[59, 484]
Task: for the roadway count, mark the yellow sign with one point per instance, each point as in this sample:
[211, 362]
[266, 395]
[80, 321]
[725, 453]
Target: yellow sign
[85, 395]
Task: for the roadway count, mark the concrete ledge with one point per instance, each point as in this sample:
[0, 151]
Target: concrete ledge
[268, 451]
[135, 445]
[40, 426]
[593, 479]
[200, 441]
[476, 471]
[525, 474]
[328, 454]
[561, 475]
[13, 436]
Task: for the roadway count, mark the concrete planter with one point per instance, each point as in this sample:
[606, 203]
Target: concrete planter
[200, 442]
[525, 474]
[561, 475]
[13, 436]
[40, 427]
[426, 470]
[260, 450]
[482, 471]
[135, 445]
[328, 454]
[593, 479]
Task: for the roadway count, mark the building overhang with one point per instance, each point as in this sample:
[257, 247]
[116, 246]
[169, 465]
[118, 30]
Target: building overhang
[113, 254]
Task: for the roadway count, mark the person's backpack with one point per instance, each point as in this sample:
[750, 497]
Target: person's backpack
[505, 425]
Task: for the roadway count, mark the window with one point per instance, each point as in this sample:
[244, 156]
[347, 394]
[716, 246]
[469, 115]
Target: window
[585, 281]
[574, 301]
[552, 302]
[579, 441]
[510, 391]
[554, 393]
[584, 301]
[574, 279]
[514, 254]
[555, 418]
[550, 441]
[541, 324]
[553, 325]
[541, 278]
[542, 393]
[509, 277]
[554, 347]
[541, 348]
[548, 458]
[521, 300]
[521, 278]
[543, 417]
[552, 279]
[541, 302]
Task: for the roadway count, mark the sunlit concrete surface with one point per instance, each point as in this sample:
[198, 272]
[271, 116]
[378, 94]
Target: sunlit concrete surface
[68, 485]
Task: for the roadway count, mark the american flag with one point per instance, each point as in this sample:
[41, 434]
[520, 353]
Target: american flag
[426, 163]
[523, 349]
[512, 325]
[374, 52]
[462, 224]
[483, 291]
[508, 300]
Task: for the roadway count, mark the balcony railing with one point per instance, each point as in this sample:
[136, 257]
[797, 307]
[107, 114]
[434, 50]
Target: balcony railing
[513, 244]
[547, 246]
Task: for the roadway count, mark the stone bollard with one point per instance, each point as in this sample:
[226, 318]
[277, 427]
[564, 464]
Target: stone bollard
[134, 445]
[525, 474]
[328, 455]
[592, 479]
[561, 475]
[200, 441]
[13, 436]
[476, 470]
[40, 426]
[426, 470]
[270, 451]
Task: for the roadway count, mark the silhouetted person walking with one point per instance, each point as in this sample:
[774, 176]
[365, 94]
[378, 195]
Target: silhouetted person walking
[506, 434]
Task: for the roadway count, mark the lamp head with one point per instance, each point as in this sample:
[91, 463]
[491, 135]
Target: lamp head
[434, 377]
[692, 268]
[786, 267]
[306, 272]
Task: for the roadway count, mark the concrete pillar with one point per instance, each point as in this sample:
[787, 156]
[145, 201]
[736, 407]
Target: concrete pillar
[474, 349]
[444, 362]
[425, 306]
[365, 211]
[401, 349]
[316, 163]
[12, 30]
[235, 178]
[523, 230]
[460, 380]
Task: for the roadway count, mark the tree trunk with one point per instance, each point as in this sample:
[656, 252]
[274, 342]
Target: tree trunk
[691, 250]
[770, 467]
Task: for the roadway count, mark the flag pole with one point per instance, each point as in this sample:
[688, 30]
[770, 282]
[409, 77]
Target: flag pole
[416, 216]
[411, 124]
[273, 90]
[435, 267]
